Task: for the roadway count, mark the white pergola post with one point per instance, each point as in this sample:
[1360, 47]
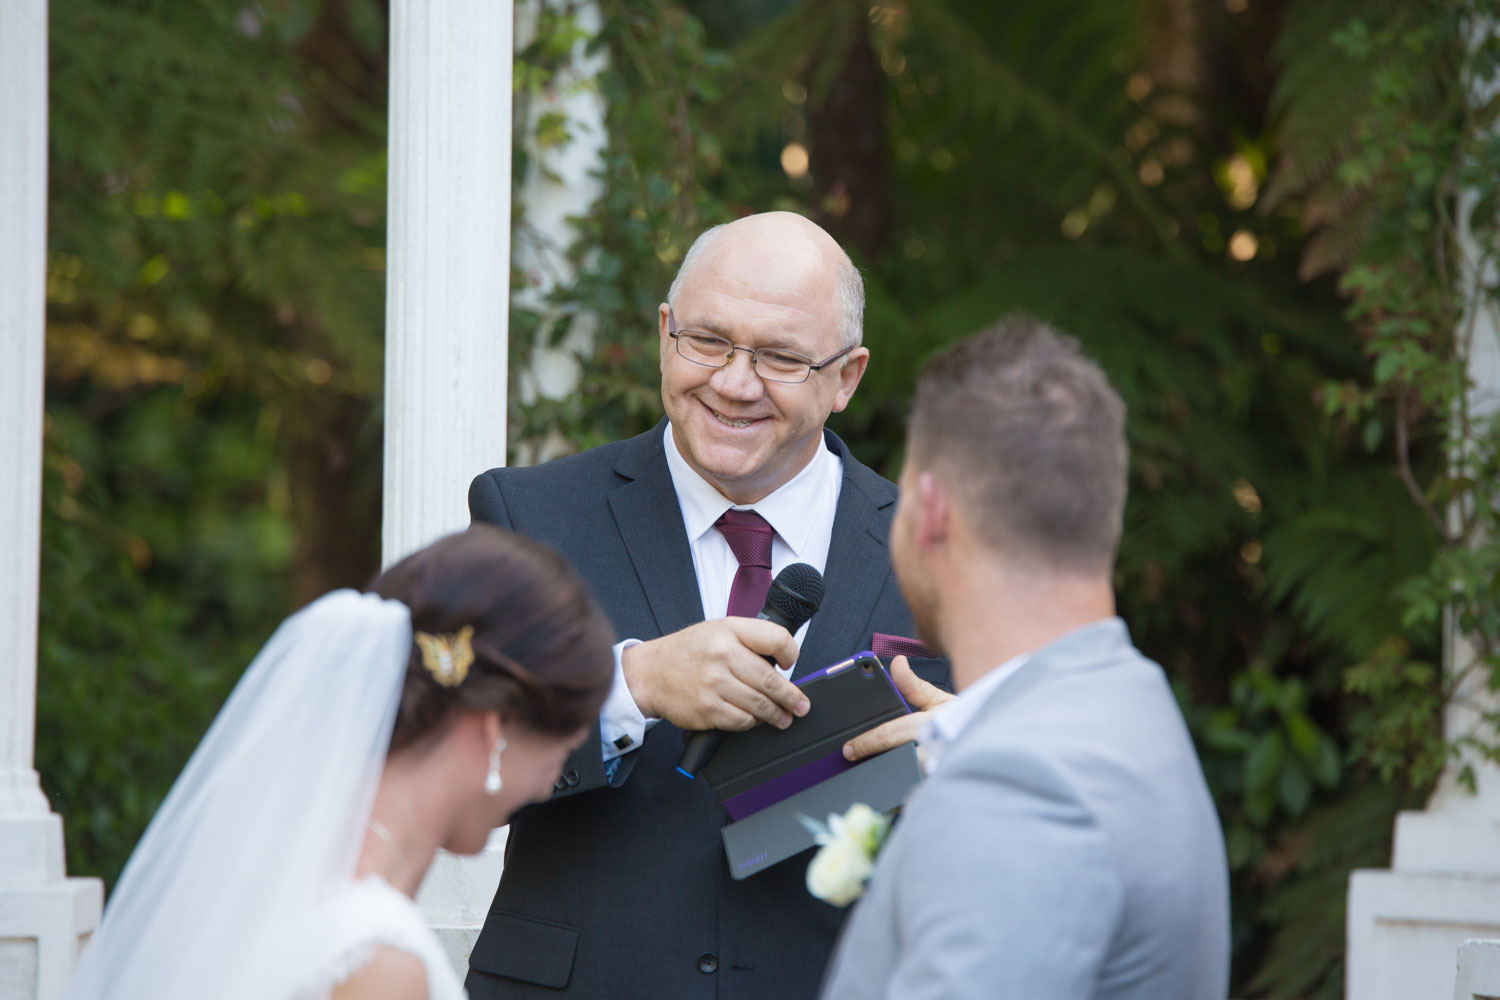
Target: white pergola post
[45, 917]
[1478, 971]
[447, 264]
[447, 289]
[1406, 925]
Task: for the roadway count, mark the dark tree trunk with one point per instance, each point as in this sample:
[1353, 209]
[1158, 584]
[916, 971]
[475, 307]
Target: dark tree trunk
[851, 182]
[334, 478]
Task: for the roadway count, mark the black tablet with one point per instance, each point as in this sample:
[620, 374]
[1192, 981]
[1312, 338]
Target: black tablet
[767, 778]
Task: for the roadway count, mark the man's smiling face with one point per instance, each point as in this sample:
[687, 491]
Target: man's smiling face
[770, 284]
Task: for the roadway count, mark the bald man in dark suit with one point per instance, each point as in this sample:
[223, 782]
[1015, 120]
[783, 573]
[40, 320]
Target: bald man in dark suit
[618, 886]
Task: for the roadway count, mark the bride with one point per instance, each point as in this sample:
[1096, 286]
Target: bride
[371, 730]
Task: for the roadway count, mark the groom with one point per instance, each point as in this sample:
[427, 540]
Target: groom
[1080, 855]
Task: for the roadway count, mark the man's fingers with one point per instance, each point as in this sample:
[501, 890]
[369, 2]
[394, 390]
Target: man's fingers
[884, 737]
[919, 694]
[787, 695]
[764, 693]
[726, 715]
[713, 675]
[757, 707]
[765, 638]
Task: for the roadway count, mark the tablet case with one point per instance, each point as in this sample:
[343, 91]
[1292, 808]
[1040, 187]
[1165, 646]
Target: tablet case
[769, 779]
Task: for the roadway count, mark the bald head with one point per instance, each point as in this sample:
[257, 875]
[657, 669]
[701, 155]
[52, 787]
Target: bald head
[784, 249]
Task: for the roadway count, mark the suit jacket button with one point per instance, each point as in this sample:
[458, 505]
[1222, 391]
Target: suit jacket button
[708, 962]
[559, 785]
[571, 778]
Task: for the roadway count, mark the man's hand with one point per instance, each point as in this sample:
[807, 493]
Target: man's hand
[920, 695]
[712, 676]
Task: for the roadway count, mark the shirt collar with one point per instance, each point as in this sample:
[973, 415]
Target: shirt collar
[785, 509]
[951, 718]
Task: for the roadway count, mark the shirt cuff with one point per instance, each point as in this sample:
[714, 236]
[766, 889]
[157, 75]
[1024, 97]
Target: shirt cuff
[622, 727]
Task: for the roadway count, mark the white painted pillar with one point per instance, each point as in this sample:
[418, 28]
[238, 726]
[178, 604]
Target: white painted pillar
[1478, 971]
[448, 262]
[447, 290]
[45, 917]
[1405, 925]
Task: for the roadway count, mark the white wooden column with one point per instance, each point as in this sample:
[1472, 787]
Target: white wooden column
[447, 290]
[560, 184]
[1478, 971]
[44, 916]
[448, 262]
[1405, 925]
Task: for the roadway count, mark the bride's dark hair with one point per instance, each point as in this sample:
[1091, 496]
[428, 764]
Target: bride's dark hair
[541, 645]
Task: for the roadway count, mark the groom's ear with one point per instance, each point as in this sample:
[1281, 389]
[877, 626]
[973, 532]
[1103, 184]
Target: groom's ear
[935, 507]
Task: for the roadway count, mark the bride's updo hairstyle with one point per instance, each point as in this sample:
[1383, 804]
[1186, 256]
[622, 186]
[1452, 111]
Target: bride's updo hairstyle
[541, 646]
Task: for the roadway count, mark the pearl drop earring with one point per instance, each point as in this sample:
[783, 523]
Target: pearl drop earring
[492, 780]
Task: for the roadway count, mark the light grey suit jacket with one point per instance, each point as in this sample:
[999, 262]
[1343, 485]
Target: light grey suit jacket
[1067, 847]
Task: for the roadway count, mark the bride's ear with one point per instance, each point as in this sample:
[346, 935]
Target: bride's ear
[492, 728]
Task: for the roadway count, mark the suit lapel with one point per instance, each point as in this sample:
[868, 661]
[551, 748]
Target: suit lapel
[858, 568]
[649, 520]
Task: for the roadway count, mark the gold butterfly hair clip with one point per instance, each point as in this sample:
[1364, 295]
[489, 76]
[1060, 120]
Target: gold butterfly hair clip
[447, 657]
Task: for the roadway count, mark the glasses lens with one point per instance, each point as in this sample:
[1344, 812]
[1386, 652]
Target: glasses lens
[704, 348]
[780, 366]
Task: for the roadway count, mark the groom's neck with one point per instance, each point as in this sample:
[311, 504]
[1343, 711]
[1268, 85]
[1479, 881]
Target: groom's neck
[992, 613]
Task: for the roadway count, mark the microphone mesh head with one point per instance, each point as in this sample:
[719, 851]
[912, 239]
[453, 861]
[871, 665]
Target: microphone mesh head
[796, 593]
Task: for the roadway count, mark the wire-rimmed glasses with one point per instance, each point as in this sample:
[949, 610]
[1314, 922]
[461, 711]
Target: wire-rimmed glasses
[774, 364]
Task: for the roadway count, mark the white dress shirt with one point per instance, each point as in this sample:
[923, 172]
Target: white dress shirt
[951, 718]
[801, 512]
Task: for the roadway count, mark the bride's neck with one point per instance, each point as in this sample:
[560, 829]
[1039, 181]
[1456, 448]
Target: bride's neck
[401, 837]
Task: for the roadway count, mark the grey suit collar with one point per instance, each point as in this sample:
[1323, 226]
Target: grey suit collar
[1080, 651]
[858, 570]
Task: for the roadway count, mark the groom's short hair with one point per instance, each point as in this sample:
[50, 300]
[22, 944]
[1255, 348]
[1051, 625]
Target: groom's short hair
[1030, 436]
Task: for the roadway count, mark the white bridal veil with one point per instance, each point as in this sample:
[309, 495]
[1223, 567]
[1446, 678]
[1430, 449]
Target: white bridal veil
[270, 810]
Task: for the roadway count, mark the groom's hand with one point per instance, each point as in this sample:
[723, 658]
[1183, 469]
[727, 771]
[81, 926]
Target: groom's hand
[920, 695]
[714, 675]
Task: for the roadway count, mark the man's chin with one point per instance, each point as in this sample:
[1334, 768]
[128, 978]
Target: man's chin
[734, 484]
[732, 467]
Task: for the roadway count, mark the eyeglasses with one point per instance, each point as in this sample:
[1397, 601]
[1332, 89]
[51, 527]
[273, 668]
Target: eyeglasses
[771, 363]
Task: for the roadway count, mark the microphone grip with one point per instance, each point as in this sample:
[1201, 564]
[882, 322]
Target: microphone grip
[701, 746]
[704, 743]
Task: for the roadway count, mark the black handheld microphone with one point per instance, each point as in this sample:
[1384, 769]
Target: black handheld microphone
[794, 595]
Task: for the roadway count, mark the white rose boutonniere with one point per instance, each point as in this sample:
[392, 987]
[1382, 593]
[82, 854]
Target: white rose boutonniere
[840, 870]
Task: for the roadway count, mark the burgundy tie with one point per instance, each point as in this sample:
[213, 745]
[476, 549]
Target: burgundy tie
[749, 538]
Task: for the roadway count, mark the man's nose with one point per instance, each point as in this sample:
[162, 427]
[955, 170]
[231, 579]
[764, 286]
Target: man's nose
[737, 379]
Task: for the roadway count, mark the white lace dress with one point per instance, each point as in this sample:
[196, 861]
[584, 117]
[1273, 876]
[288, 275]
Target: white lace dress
[351, 924]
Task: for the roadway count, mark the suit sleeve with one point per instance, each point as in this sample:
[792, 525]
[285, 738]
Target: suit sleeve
[585, 769]
[486, 504]
[1007, 888]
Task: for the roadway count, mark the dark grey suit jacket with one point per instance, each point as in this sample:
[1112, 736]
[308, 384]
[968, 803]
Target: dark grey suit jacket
[619, 888]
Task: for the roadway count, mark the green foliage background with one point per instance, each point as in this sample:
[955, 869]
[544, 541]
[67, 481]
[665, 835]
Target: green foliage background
[215, 313]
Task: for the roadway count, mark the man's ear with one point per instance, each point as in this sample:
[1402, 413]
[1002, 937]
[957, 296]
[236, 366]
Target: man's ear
[935, 505]
[662, 326]
[849, 375]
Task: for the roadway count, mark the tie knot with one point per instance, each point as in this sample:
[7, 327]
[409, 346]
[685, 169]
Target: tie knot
[748, 535]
